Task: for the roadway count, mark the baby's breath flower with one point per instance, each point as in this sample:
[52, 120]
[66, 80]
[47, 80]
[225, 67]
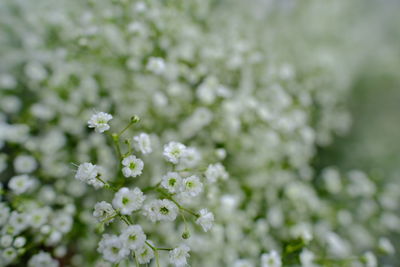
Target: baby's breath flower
[103, 211]
[99, 121]
[112, 248]
[190, 158]
[161, 210]
[143, 143]
[144, 254]
[215, 172]
[42, 259]
[206, 219]
[173, 151]
[179, 255]
[19, 242]
[25, 164]
[6, 241]
[9, 254]
[191, 186]
[133, 166]
[271, 259]
[126, 200]
[88, 173]
[21, 183]
[133, 237]
[172, 181]
[156, 65]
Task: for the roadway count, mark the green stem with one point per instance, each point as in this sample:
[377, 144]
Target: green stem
[157, 258]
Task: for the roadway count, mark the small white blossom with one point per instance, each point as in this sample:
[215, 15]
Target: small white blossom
[103, 211]
[191, 186]
[206, 219]
[133, 166]
[179, 255]
[18, 222]
[271, 259]
[39, 216]
[6, 241]
[19, 242]
[21, 183]
[144, 254]
[143, 143]
[173, 151]
[42, 259]
[133, 237]
[370, 259]
[215, 172]
[172, 181]
[386, 246]
[307, 258]
[99, 121]
[190, 158]
[112, 248]
[88, 173]
[126, 200]
[156, 65]
[62, 222]
[161, 210]
[9, 254]
[25, 164]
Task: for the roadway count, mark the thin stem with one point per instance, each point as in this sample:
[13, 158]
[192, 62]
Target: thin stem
[166, 249]
[157, 258]
[136, 260]
[150, 188]
[109, 218]
[134, 120]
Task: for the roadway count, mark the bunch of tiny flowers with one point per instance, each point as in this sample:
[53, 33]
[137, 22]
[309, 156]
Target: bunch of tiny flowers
[160, 202]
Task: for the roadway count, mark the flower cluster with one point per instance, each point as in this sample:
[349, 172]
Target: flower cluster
[160, 203]
[221, 170]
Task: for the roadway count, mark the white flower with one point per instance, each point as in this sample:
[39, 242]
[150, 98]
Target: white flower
[103, 211]
[161, 210]
[271, 259]
[21, 183]
[173, 151]
[179, 255]
[133, 237]
[9, 254]
[6, 241]
[370, 259]
[142, 142]
[156, 65]
[24, 164]
[19, 242]
[18, 222]
[99, 121]
[191, 186]
[307, 258]
[172, 182]
[39, 216]
[144, 254]
[62, 222]
[206, 219]
[133, 166]
[112, 248]
[215, 172]
[386, 246]
[88, 173]
[190, 158]
[127, 200]
[42, 259]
